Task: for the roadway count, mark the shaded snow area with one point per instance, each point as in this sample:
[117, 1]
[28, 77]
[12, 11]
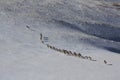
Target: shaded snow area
[89, 27]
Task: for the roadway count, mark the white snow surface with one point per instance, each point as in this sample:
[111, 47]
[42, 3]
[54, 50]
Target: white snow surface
[68, 25]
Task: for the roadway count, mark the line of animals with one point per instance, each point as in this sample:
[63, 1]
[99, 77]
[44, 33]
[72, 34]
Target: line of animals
[70, 53]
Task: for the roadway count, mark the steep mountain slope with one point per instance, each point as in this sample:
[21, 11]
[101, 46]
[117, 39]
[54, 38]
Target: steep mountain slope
[90, 27]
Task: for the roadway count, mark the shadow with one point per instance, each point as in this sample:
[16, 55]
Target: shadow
[105, 31]
[104, 44]
[117, 39]
[112, 49]
[68, 25]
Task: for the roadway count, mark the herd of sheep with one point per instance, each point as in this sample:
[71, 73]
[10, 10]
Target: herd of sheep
[68, 52]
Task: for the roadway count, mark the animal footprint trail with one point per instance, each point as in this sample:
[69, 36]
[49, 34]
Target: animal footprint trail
[68, 52]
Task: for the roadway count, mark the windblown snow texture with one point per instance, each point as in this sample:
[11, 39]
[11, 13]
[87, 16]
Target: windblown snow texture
[89, 27]
[94, 18]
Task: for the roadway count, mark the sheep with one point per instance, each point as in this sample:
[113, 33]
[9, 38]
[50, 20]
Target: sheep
[41, 36]
[53, 48]
[70, 53]
[105, 61]
[65, 51]
[75, 54]
[79, 55]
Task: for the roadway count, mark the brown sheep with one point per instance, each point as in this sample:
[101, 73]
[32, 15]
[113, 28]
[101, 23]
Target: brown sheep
[75, 54]
[53, 47]
[70, 53]
[79, 55]
[65, 51]
[105, 61]
[41, 36]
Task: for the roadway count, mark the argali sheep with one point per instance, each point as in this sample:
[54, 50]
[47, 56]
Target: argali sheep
[70, 53]
[53, 47]
[75, 54]
[28, 27]
[79, 55]
[50, 47]
[105, 61]
[65, 51]
[41, 36]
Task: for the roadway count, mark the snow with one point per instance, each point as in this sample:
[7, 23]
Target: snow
[24, 57]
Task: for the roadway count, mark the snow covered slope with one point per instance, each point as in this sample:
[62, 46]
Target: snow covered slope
[90, 27]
